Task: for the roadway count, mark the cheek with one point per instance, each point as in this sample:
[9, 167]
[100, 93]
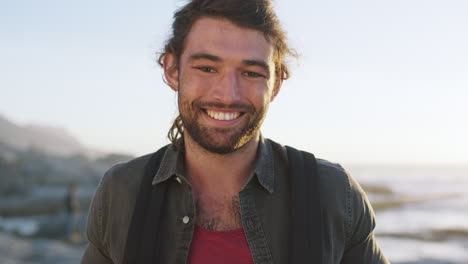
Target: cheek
[195, 85]
[191, 90]
[258, 92]
[258, 97]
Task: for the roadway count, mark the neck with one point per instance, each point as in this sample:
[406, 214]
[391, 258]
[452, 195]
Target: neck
[211, 173]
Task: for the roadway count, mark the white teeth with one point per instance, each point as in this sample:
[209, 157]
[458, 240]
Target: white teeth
[223, 115]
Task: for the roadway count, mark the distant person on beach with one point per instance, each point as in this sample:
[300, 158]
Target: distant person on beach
[221, 192]
[72, 210]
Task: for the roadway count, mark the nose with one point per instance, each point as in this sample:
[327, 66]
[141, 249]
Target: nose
[227, 89]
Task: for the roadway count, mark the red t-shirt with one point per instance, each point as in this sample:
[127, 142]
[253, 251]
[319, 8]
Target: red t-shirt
[227, 247]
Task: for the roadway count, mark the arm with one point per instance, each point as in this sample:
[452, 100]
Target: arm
[96, 252]
[93, 255]
[361, 246]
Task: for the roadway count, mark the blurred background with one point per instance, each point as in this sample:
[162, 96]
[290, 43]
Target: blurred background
[380, 87]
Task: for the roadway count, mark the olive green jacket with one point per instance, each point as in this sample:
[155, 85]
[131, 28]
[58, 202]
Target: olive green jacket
[348, 219]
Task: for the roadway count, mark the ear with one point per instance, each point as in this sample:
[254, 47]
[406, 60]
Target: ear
[171, 71]
[277, 88]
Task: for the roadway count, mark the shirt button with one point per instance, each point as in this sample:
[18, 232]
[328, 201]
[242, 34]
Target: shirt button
[178, 180]
[185, 220]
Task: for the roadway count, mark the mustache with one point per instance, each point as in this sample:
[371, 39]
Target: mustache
[235, 106]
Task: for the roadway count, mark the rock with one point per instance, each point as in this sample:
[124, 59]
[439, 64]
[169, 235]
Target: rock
[14, 250]
[43, 200]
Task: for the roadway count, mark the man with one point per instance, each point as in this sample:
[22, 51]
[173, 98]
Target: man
[221, 193]
[72, 211]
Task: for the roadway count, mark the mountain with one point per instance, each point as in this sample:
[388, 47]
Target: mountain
[38, 163]
[52, 140]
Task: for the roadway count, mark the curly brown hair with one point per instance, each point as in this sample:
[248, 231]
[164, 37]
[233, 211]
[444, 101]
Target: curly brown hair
[253, 14]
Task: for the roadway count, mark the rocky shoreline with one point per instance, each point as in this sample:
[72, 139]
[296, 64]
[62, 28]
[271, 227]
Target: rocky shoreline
[16, 250]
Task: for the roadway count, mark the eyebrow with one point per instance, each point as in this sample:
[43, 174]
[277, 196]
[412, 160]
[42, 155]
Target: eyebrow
[214, 58]
[258, 63]
[198, 56]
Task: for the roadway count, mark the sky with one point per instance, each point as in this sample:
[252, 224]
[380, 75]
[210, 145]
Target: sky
[376, 81]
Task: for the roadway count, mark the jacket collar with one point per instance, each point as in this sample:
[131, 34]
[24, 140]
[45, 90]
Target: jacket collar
[172, 165]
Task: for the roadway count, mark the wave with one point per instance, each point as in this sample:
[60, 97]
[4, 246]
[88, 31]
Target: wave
[436, 235]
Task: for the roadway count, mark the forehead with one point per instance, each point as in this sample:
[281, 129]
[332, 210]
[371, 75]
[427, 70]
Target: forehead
[222, 38]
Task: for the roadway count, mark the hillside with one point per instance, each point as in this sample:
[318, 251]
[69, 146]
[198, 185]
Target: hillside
[38, 163]
[52, 140]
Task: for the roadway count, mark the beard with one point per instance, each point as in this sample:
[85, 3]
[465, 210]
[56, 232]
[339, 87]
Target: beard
[220, 140]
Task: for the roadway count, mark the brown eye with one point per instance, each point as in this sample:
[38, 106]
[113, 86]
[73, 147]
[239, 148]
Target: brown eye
[206, 69]
[254, 75]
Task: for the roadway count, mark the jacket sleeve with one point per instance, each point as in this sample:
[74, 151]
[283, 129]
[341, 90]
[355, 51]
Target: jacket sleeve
[93, 255]
[361, 246]
[96, 251]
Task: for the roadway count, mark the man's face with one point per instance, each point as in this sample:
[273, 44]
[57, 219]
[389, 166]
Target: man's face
[225, 79]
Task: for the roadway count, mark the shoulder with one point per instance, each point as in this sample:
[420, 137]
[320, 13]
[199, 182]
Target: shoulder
[347, 214]
[344, 202]
[125, 173]
[335, 187]
[336, 183]
[332, 176]
[332, 173]
[343, 197]
[336, 180]
[119, 184]
[112, 206]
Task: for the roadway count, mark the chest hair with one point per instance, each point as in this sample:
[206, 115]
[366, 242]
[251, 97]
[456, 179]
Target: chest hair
[218, 213]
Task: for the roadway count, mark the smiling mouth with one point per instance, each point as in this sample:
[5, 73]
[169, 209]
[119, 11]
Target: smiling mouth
[223, 116]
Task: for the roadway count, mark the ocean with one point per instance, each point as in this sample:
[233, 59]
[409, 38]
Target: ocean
[422, 216]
